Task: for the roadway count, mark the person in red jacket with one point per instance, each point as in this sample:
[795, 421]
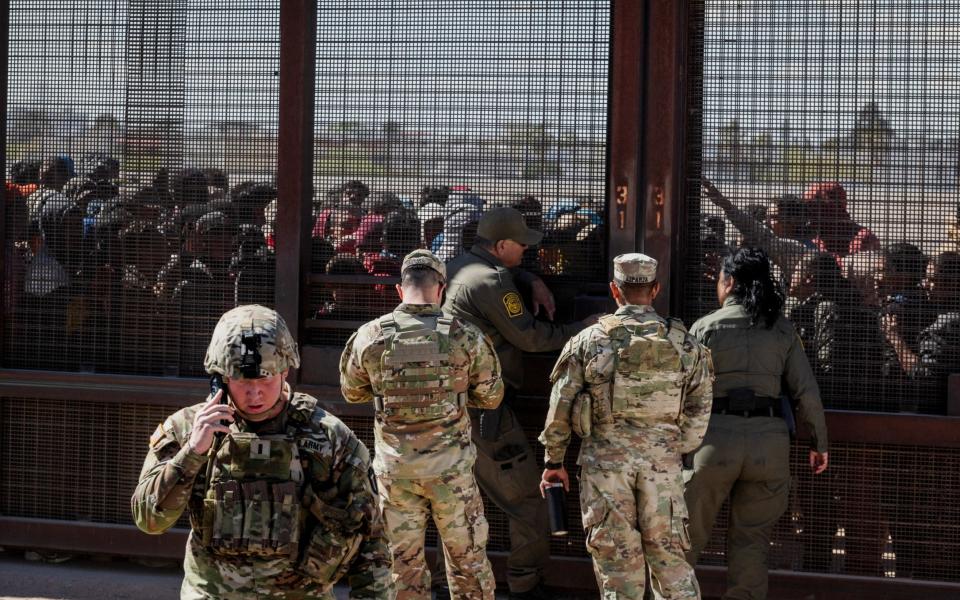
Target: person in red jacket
[834, 231]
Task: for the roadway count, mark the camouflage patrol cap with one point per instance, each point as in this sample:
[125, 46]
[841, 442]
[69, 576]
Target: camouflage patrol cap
[249, 342]
[424, 258]
[634, 268]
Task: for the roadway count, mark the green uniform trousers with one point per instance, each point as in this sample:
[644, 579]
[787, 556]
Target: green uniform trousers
[454, 502]
[507, 472]
[747, 459]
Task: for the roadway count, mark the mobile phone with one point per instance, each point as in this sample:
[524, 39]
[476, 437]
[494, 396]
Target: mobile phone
[216, 384]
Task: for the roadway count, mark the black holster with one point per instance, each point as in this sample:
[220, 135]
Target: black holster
[786, 410]
[490, 423]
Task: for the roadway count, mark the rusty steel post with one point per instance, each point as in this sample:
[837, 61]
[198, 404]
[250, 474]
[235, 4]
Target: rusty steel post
[623, 173]
[663, 140]
[298, 37]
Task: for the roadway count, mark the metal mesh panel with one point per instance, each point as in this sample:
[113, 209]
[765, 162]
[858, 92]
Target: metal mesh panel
[880, 510]
[141, 154]
[72, 460]
[833, 127]
[429, 113]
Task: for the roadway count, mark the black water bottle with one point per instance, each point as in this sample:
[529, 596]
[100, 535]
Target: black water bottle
[557, 508]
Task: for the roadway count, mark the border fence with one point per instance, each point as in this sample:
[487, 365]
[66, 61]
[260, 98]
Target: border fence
[165, 161]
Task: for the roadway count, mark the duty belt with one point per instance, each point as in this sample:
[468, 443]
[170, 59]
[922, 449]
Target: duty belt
[755, 406]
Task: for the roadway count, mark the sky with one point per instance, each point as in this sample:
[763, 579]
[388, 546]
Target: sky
[471, 66]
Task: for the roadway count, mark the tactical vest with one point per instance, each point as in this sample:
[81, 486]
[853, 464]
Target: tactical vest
[649, 372]
[419, 383]
[252, 502]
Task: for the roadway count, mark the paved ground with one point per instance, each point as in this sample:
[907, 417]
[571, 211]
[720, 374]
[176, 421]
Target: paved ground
[90, 579]
[94, 579]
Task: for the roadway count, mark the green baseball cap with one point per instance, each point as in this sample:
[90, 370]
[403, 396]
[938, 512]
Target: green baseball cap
[507, 223]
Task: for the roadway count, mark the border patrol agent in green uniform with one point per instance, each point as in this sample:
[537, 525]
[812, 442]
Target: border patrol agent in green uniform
[637, 389]
[282, 505]
[482, 290]
[422, 370]
[745, 455]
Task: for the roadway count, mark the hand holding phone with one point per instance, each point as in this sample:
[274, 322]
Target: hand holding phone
[212, 419]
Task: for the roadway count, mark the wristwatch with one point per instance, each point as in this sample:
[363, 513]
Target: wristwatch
[552, 466]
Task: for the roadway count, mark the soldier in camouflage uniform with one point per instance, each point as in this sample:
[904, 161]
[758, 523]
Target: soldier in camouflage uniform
[423, 370]
[278, 491]
[637, 388]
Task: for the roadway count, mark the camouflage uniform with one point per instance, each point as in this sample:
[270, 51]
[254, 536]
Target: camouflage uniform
[285, 507]
[637, 389]
[422, 370]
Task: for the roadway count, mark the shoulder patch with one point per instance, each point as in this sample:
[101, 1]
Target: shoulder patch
[157, 436]
[513, 304]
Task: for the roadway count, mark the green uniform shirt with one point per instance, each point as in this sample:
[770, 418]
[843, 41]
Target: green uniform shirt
[481, 290]
[767, 361]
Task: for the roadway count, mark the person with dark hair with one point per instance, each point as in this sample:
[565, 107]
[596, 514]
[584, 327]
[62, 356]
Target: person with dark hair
[26, 172]
[424, 456]
[354, 193]
[253, 266]
[433, 194]
[774, 236]
[16, 248]
[382, 203]
[745, 455]
[787, 217]
[56, 172]
[346, 300]
[905, 311]
[321, 251]
[190, 186]
[49, 198]
[250, 199]
[102, 168]
[840, 335]
[217, 179]
[938, 345]
[830, 223]
[401, 236]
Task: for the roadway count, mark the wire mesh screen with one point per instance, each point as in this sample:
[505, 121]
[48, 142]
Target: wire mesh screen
[141, 158]
[830, 131]
[429, 113]
[878, 511]
[73, 460]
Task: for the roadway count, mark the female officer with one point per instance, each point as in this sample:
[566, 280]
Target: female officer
[745, 455]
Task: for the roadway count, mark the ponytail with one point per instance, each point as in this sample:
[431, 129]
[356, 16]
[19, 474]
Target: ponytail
[754, 287]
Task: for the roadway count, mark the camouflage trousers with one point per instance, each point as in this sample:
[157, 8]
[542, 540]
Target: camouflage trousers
[635, 521]
[453, 500]
[206, 577]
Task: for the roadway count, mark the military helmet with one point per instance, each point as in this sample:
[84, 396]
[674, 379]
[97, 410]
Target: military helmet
[249, 342]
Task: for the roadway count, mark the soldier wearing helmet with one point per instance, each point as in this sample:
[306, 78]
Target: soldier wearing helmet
[278, 491]
[422, 370]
